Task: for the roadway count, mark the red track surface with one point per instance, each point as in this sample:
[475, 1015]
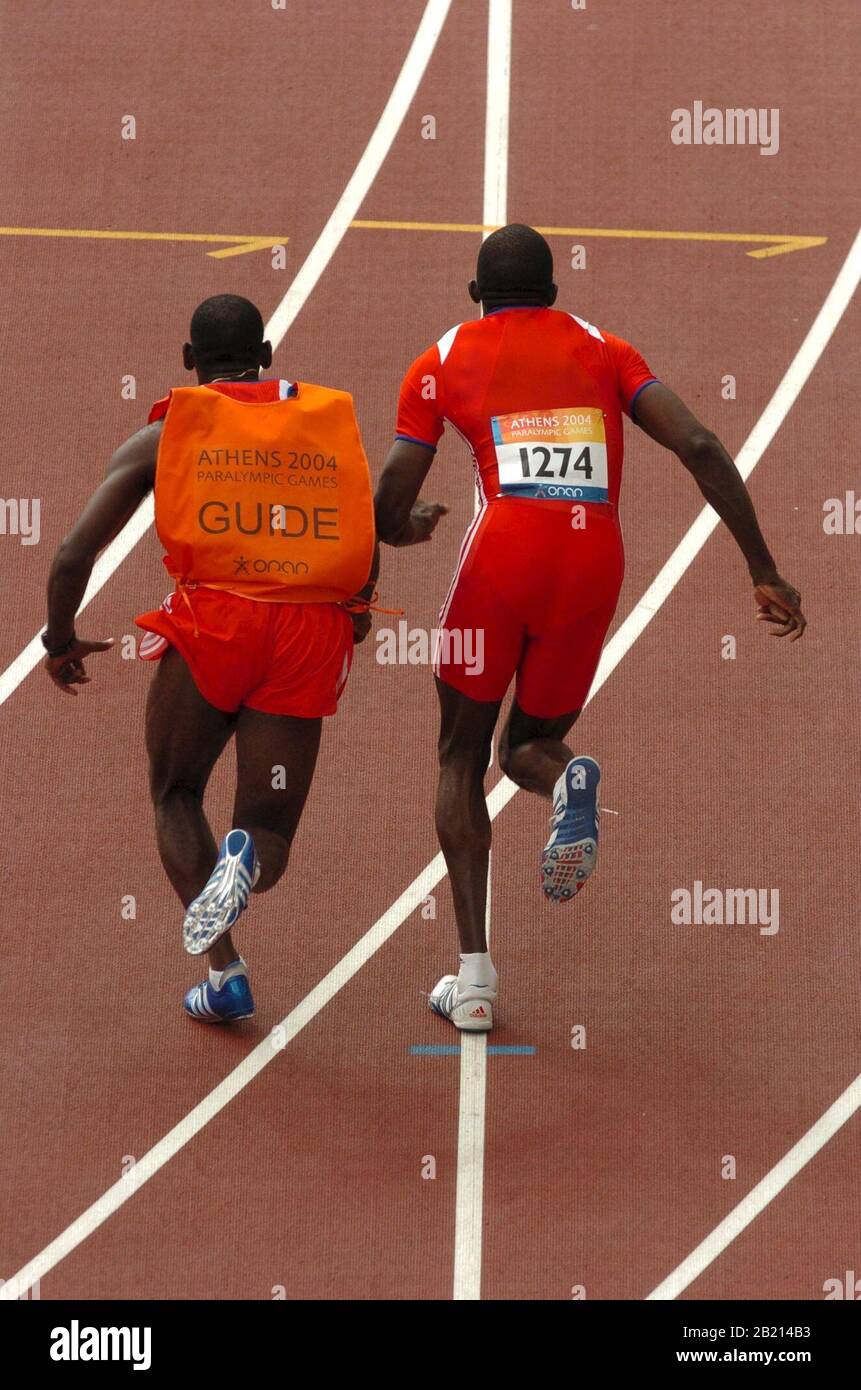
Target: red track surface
[602, 1167]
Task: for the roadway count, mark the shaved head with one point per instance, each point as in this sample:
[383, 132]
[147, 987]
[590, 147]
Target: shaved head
[515, 265]
[226, 336]
[226, 329]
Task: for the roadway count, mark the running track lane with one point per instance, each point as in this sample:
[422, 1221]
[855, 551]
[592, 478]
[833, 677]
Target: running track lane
[757, 634]
[55, 1061]
[603, 1166]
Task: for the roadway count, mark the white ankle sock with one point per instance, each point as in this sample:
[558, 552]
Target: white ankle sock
[477, 968]
[218, 978]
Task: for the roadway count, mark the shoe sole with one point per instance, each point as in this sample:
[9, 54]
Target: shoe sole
[198, 945]
[234, 1018]
[565, 869]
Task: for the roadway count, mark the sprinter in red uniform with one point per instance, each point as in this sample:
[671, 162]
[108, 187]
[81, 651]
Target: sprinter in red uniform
[538, 396]
[263, 504]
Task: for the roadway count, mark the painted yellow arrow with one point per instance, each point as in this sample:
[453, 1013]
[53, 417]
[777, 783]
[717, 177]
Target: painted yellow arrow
[769, 245]
[236, 245]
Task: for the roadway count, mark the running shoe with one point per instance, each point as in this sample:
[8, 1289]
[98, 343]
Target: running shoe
[571, 853]
[225, 895]
[226, 1005]
[470, 1009]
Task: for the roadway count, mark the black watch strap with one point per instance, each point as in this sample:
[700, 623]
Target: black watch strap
[59, 651]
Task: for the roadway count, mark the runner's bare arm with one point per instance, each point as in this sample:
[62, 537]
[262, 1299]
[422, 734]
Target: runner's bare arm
[130, 476]
[402, 518]
[361, 617]
[666, 419]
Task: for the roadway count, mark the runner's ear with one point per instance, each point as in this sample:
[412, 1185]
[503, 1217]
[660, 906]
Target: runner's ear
[554, 290]
[266, 356]
[188, 357]
[474, 293]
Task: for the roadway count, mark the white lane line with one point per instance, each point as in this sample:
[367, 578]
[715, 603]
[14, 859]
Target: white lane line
[497, 113]
[469, 1202]
[367, 168]
[376, 150]
[469, 1195]
[424, 883]
[765, 1191]
[235, 1081]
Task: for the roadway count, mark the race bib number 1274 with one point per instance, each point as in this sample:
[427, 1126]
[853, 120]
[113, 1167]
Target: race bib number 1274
[552, 454]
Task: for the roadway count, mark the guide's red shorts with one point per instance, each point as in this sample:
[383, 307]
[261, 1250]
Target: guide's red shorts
[280, 658]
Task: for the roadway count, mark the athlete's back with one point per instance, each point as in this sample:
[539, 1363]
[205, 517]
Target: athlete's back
[537, 394]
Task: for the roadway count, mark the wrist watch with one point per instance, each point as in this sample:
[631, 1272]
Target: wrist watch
[62, 649]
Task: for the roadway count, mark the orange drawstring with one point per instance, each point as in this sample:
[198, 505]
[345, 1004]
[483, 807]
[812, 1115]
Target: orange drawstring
[182, 590]
[366, 605]
[352, 605]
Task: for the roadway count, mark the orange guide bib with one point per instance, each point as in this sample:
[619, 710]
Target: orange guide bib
[266, 499]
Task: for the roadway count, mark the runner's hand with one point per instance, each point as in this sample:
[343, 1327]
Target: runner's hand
[780, 604]
[68, 670]
[424, 518]
[422, 523]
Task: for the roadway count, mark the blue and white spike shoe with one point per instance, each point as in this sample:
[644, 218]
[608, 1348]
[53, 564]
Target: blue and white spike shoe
[571, 853]
[224, 896]
[233, 1001]
[470, 1010]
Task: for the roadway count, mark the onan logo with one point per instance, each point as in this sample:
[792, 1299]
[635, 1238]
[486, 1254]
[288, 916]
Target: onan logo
[557, 490]
[243, 566]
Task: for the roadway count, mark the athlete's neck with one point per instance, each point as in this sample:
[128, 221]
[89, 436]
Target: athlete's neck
[250, 374]
[492, 305]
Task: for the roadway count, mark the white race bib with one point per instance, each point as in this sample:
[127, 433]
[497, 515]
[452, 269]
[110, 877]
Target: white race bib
[552, 454]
